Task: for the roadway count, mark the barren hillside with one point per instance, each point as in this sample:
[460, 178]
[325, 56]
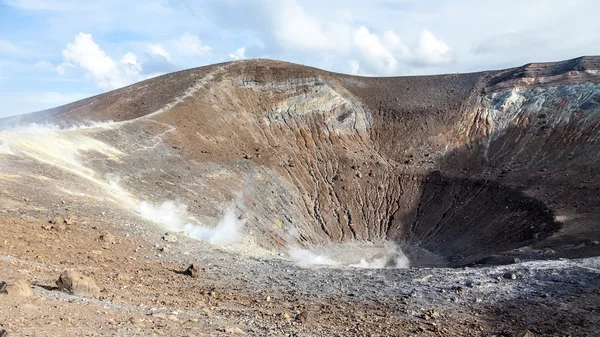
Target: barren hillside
[277, 162]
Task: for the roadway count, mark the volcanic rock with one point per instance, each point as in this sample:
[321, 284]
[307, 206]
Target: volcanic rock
[302, 317]
[19, 287]
[75, 283]
[107, 238]
[193, 270]
[234, 331]
[526, 333]
[169, 237]
[510, 276]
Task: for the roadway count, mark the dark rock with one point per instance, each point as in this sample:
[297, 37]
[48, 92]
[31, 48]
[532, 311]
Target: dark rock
[193, 270]
[302, 317]
[169, 237]
[510, 276]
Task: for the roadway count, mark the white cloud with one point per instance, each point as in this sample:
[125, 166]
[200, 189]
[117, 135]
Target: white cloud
[353, 67]
[158, 50]
[85, 55]
[432, 51]
[8, 48]
[189, 44]
[374, 54]
[297, 30]
[364, 51]
[239, 54]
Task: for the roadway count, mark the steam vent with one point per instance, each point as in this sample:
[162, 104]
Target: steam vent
[457, 169]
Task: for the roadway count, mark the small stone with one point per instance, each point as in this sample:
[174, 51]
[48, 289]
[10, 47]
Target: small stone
[169, 237]
[159, 315]
[75, 283]
[18, 288]
[123, 277]
[459, 290]
[173, 318]
[164, 249]
[107, 238]
[548, 252]
[526, 333]
[71, 220]
[207, 312]
[510, 276]
[193, 270]
[135, 320]
[302, 317]
[287, 317]
[234, 330]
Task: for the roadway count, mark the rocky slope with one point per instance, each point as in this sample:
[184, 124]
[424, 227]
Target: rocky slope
[456, 168]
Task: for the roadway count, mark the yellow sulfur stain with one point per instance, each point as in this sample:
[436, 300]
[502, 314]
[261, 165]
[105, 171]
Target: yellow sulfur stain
[66, 150]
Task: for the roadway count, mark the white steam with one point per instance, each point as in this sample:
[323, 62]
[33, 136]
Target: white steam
[174, 215]
[393, 257]
[169, 213]
[306, 258]
[227, 231]
[351, 255]
[5, 148]
[113, 180]
[41, 127]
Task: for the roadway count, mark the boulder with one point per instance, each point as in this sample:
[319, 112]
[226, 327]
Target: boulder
[75, 283]
[17, 288]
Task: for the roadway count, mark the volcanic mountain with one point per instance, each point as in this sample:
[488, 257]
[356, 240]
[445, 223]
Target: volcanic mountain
[309, 203]
[456, 169]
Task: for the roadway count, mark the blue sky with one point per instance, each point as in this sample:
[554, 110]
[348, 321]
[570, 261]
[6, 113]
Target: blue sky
[54, 52]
